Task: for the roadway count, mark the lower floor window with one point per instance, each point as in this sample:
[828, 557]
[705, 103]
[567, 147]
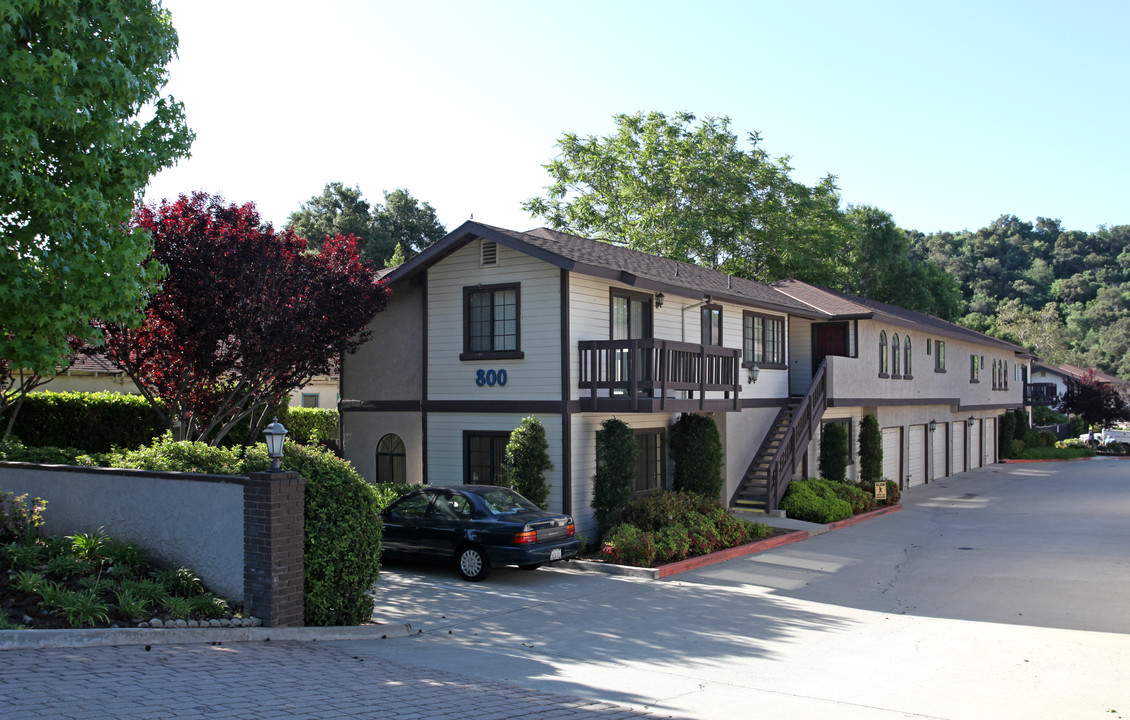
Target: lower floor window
[484, 457]
[651, 460]
[390, 460]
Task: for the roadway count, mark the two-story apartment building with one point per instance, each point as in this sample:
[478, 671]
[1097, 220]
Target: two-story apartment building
[489, 326]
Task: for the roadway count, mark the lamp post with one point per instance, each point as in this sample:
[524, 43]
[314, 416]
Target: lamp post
[275, 435]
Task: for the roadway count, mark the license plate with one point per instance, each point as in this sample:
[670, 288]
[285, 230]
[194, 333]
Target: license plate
[555, 554]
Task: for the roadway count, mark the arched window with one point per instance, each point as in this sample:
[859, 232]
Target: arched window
[882, 352]
[895, 354]
[1004, 374]
[906, 357]
[390, 460]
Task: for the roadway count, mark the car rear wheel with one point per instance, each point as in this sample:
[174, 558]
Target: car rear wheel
[473, 563]
[531, 566]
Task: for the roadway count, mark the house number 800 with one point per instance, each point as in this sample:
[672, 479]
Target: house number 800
[490, 377]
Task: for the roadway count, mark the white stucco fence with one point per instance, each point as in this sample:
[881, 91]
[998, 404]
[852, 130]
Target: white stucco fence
[179, 519]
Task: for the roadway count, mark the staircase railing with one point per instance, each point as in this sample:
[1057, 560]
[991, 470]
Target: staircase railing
[757, 456]
[797, 437]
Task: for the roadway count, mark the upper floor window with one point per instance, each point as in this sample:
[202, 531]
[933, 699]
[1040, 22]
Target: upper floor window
[974, 369]
[631, 316]
[711, 325]
[1004, 374]
[882, 352]
[490, 322]
[763, 340]
[906, 357]
[939, 356]
[309, 400]
[895, 351]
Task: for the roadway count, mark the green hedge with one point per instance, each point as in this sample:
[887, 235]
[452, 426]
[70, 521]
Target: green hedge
[342, 529]
[815, 500]
[93, 422]
[310, 426]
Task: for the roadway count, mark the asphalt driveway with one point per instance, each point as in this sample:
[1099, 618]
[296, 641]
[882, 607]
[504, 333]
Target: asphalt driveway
[1002, 592]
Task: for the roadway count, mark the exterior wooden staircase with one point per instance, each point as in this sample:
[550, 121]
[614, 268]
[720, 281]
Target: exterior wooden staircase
[776, 460]
[753, 493]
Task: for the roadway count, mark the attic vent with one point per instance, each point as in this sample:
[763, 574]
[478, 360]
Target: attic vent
[488, 253]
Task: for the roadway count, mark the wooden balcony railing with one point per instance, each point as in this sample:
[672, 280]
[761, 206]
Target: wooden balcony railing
[651, 375]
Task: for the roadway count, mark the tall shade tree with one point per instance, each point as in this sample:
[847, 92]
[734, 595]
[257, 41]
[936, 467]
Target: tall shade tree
[244, 316]
[83, 126]
[687, 191]
[340, 210]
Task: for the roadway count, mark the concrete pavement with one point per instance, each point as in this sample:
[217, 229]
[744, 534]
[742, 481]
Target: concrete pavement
[998, 593]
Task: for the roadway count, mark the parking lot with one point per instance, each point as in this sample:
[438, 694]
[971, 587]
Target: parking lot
[998, 593]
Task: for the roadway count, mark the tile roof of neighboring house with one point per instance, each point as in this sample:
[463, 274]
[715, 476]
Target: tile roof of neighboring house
[92, 364]
[837, 305]
[602, 259]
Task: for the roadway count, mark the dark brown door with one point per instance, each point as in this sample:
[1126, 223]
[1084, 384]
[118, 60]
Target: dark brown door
[829, 339]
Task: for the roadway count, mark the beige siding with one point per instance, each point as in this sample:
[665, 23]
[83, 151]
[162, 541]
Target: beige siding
[534, 377]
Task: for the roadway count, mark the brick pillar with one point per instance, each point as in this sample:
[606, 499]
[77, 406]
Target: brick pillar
[273, 518]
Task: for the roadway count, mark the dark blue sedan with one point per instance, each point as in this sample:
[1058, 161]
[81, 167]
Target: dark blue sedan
[476, 527]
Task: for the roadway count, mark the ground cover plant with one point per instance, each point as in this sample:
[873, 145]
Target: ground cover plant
[668, 526]
[89, 579]
[824, 501]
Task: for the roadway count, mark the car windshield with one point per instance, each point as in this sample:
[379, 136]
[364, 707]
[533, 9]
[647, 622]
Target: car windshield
[502, 501]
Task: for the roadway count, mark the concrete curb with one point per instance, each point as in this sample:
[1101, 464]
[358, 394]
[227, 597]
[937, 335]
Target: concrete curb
[40, 639]
[664, 571]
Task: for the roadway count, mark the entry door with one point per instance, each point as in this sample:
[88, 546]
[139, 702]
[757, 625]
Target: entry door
[828, 339]
[631, 320]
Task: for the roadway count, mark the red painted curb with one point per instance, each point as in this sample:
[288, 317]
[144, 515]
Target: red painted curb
[864, 516]
[730, 553]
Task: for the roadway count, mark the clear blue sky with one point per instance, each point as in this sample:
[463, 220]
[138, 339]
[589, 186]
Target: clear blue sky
[947, 115]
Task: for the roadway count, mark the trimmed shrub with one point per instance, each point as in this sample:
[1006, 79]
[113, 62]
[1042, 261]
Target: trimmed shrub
[1047, 438]
[696, 451]
[1015, 448]
[527, 460]
[870, 449]
[342, 531]
[663, 508]
[628, 545]
[1021, 427]
[1006, 431]
[615, 477]
[893, 492]
[834, 452]
[1032, 439]
[812, 501]
[310, 426]
[92, 422]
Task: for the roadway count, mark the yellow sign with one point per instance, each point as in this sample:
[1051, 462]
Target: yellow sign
[881, 490]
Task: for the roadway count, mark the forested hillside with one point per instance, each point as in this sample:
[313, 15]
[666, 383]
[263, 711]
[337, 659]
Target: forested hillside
[1064, 293]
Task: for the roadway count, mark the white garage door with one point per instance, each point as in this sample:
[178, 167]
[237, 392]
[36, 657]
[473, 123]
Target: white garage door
[957, 447]
[938, 469]
[975, 445]
[990, 441]
[892, 455]
[916, 457]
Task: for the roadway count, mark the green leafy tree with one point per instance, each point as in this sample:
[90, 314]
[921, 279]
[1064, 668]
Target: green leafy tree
[340, 210]
[686, 191]
[76, 151]
[834, 452]
[616, 455]
[527, 461]
[696, 449]
[870, 449]
[1041, 331]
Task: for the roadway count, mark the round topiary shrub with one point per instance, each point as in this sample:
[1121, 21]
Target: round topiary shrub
[696, 451]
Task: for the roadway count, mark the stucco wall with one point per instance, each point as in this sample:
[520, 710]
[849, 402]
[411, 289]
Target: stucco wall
[177, 518]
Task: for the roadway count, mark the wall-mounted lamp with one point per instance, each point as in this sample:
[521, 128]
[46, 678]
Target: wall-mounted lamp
[753, 373]
[933, 425]
[970, 421]
[658, 300]
[275, 435]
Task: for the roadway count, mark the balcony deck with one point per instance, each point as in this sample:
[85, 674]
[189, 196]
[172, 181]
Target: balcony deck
[650, 375]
